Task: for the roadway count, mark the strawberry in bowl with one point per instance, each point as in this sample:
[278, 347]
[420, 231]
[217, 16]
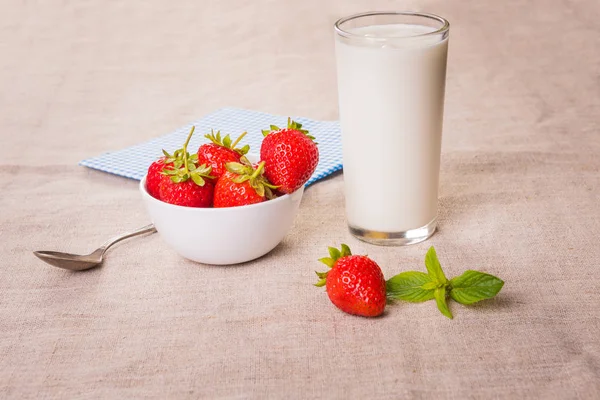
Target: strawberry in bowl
[243, 184]
[220, 151]
[290, 155]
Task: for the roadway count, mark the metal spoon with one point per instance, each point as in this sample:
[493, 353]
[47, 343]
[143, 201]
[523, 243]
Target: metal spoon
[75, 262]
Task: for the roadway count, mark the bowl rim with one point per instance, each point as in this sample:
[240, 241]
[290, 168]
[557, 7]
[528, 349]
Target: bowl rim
[144, 191]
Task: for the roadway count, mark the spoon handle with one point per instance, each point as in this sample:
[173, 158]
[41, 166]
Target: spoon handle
[146, 229]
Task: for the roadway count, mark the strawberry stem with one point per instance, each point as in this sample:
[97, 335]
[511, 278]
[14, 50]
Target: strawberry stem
[238, 140]
[258, 171]
[185, 145]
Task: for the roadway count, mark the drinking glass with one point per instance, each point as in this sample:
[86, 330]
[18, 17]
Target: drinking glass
[391, 69]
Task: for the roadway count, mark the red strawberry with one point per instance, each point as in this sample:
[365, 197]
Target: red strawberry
[154, 176]
[185, 183]
[355, 284]
[290, 155]
[241, 185]
[187, 193]
[220, 152]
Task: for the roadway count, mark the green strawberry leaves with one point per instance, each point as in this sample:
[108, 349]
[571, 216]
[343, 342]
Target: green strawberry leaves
[245, 171]
[185, 165]
[293, 125]
[334, 255]
[226, 141]
[468, 288]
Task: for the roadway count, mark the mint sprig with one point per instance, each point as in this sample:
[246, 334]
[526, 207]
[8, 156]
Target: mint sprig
[468, 288]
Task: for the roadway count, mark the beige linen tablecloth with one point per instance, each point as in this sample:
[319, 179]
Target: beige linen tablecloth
[520, 191]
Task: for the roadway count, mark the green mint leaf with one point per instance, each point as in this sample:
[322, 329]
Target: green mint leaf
[474, 286]
[433, 266]
[408, 286]
[440, 299]
[432, 285]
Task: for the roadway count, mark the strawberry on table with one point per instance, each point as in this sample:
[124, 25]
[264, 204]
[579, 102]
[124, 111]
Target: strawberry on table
[242, 184]
[184, 182]
[220, 151]
[290, 155]
[355, 284]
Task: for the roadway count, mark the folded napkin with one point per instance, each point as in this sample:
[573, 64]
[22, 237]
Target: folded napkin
[133, 162]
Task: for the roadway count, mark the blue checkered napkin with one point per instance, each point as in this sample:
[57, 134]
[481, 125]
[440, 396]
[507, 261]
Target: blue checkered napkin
[133, 162]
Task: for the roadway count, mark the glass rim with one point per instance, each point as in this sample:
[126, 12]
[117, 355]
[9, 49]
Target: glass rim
[338, 29]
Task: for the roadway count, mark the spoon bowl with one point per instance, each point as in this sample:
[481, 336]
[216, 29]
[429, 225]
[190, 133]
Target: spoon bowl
[76, 262]
[69, 261]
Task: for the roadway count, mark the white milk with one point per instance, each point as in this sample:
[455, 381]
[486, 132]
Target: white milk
[391, 98]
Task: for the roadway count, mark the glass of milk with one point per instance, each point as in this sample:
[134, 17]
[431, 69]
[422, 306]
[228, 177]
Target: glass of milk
[391, 69]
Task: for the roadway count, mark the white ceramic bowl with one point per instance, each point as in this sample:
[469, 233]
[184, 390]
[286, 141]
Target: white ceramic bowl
[223, 235]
